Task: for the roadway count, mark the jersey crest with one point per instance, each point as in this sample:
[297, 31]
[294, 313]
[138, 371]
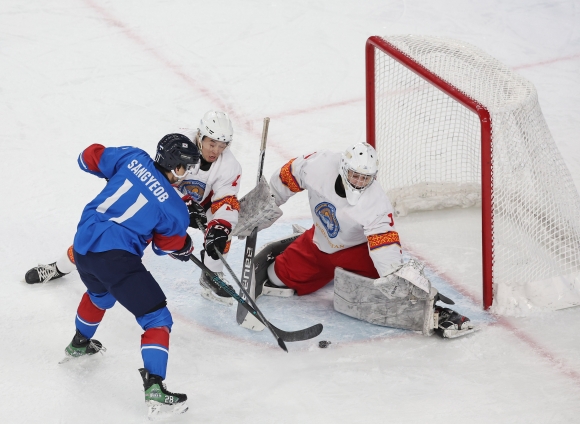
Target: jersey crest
[326, 212]
[195, 188]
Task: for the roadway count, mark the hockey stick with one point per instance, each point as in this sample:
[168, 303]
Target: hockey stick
[248, 264]
[294, 336]
[280, 335]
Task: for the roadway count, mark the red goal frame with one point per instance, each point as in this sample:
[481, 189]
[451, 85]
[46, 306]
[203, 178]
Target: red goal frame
[373, 43]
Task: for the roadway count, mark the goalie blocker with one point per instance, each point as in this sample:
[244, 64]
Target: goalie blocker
[395, 301]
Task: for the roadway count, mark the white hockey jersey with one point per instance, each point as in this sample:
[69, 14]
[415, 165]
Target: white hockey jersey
[339, 225]
[216, 188]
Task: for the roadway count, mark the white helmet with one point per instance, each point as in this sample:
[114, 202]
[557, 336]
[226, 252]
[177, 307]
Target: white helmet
[358, 168]
[216, 125]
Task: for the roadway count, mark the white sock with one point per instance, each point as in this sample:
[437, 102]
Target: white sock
[274, 279]
[64, 263]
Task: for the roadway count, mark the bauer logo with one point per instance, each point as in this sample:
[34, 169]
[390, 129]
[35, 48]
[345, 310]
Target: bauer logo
[326, 212]
[194, 188]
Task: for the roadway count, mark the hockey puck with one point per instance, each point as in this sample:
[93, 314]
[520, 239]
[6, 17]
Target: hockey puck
[323, 344]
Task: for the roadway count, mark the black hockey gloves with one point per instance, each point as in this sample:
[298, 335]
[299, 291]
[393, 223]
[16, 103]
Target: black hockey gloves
[196, 213]
[183, 253]
[216, 237]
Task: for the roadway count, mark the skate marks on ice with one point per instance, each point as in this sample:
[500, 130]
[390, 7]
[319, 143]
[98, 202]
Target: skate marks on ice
[180, 284]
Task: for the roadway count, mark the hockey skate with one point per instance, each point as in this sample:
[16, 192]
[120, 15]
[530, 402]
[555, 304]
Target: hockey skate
[43, 273]
[211, 291]
[159, 400]
[81, 346]
[451, 324]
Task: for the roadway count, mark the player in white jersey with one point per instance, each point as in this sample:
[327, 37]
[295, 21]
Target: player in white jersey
[353, 241]
[215, 187]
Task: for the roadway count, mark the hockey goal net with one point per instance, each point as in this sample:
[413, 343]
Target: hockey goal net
[453, 127]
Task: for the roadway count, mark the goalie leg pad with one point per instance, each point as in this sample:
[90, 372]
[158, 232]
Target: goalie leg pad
[357, 297]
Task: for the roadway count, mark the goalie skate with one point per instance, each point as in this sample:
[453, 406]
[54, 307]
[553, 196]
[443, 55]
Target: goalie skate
[211, 291]
[271, 289]
[451, 324]
[160, 402]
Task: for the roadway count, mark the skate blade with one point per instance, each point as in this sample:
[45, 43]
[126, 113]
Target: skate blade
[252, 323]
[453, 334]
[278, 292]
[158, 411]
[65, 359]
[211, 296]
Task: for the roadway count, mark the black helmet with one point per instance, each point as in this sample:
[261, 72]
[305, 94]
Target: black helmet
[176, 149]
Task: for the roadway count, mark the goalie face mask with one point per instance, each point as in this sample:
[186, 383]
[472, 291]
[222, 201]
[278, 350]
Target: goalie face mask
[358, 170]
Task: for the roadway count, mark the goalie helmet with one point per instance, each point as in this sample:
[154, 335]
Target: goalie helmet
[358, 168]
[177, 149]
[216, 125]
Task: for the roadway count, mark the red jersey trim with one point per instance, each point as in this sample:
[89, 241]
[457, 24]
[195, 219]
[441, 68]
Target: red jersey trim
[92, 156]
[168, 243]
[288, 178]
[376, 241]
[232, 201]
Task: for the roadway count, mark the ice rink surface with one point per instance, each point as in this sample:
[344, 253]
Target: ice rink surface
[73, 73]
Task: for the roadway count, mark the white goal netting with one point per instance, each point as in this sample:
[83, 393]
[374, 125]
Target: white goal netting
[429, 146]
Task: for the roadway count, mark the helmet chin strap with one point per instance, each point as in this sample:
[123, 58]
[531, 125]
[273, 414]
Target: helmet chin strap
[189, 170]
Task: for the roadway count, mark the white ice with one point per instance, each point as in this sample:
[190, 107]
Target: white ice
[78, 72]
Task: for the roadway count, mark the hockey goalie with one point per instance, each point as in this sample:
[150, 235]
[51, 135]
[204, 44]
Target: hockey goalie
[353, 241]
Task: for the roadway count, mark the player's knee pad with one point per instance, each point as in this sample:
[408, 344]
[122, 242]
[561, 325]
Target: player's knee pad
[158, 318]
[102, 300]
[357, 297]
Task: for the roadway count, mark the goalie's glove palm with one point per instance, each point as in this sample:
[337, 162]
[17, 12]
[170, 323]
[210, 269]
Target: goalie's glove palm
[183, 253]
[216, 237]
[197, 214]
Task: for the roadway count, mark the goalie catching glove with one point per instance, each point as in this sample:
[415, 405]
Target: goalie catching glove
[183, 253]
[197, 214]
[216, 237]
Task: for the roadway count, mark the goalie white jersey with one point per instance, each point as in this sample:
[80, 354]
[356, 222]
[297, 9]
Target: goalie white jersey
[218, 186]
[339, 225]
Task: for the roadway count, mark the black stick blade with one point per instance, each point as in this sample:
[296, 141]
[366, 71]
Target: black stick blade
[299, 335]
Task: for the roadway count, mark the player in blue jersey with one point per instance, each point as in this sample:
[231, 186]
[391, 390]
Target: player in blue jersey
[215, 187]
[138, 206]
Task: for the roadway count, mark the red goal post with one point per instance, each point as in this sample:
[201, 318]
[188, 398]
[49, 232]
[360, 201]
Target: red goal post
[454, 127]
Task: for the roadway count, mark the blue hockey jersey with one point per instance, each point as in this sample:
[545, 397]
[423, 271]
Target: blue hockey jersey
[137, 206]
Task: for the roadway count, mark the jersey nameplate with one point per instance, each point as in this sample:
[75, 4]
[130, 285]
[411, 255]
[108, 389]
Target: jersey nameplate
[150, 181]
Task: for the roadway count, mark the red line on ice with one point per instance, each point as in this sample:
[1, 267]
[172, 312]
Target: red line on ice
[507, 325]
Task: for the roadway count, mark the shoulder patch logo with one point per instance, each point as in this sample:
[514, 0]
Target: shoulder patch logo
[194, 188]
[326, 212]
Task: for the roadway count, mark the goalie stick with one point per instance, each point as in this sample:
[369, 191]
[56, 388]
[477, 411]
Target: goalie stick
[248, 272]
[280, 335]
